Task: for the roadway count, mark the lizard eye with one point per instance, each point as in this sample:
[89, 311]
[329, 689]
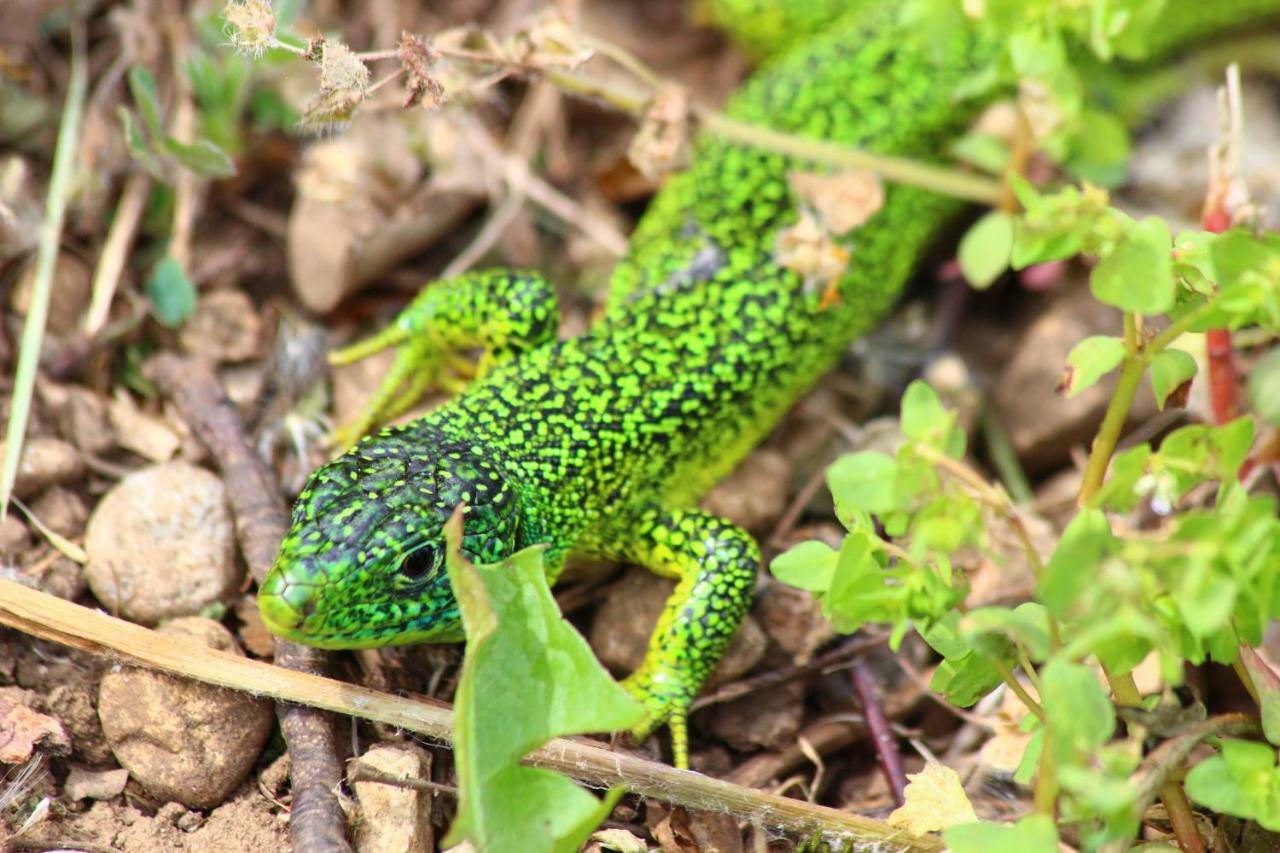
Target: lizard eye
[418, 563]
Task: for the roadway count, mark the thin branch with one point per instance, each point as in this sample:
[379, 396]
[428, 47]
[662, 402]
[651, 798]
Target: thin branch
[115, 250]
[60, 621]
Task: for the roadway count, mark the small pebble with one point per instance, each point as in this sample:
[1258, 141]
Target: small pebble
[161, 544]
[184, 741]
[45, 462]
[394, 819]
[226, 326]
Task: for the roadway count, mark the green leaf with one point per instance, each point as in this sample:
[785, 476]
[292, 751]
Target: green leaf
[924, 419]
[1119, 492]
[863, 481]
[1137, 275]
[1170, 370]
[137, 144]
[1033, 834]
[1099, 149]
[203, 157]
[1076, 561]
[1079, 714]
[172, 293]
[1242, 781]
[1026, 625]
[857, 593]
[1264, 388]
[527, 677]
[965, 681]
[1089, 361]
[809, 565]
[1267, 682]
[985, 249]
[142, 85]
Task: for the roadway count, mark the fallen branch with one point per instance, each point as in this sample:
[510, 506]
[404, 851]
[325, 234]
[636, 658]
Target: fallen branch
[54, 619]
[316, 821]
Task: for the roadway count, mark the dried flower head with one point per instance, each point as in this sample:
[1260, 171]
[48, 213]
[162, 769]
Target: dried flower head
[341, 69]
[548, 41]
[251, 25]
[344, 84]
[417, 57]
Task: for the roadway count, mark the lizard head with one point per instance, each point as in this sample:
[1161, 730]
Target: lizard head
[363, 562]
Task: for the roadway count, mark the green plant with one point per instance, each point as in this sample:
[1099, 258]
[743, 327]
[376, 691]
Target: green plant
[1200, 584]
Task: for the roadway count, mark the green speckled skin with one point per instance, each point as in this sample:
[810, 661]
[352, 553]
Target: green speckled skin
[601, 445]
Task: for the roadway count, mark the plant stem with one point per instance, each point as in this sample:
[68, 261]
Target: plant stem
[1046, 793]
[1016, 686]
[60, 179]
[1125, 690]
[1104, 444]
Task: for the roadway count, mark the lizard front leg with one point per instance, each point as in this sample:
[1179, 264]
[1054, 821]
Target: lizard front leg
[502, 312]
[714, 563]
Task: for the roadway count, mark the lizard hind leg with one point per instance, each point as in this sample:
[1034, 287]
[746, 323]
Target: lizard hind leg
[714, 563]
[502, 312]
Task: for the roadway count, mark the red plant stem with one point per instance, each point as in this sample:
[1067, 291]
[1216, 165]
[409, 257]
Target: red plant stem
[886, 745]
[1222, 375]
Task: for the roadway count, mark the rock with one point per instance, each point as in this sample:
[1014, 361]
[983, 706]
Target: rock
[80, 416]
[68, 298]
[226, 326]
[621, 628]
[394, 819]
[766, 719]
[63, 577]
[15, 538]
[62, 511]
[793, 619]
[73, 705]
[183, 741]
[88, 784]
[45, 462]
[755, 494]
[23, 729]
[1042, 424]
[161, 544]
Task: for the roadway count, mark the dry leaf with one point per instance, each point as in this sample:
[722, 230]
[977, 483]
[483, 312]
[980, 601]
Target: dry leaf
[662, 142]
[619, 840]
[842, 201]
[146, 435]
[935, 800]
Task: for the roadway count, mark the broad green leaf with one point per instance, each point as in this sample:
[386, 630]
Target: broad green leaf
[857, 593]
[1075, 563]
[1264, 388]
[1026, 625]
[1137, 275]
[1080, 716]
[142, 85]
[987, 151]
[1033, 834]
[527, 677]
[202, 157]
[965, 680]
[985, 249]
[1242, 781]
[924, 418]
[172, 294]
[1170, 370]
[809, 565]
[1099, 149]
[1089, 361]
[863, 481]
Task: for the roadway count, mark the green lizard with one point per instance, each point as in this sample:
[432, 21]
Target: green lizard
[602, 444]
